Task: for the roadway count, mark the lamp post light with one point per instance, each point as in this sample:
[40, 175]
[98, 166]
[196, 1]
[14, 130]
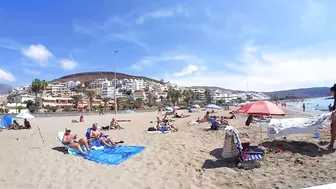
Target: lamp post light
[115, 82]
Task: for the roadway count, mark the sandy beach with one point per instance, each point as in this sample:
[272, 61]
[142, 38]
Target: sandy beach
[185, 159]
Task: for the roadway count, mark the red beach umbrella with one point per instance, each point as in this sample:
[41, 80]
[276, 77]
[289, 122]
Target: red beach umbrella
[261, 108]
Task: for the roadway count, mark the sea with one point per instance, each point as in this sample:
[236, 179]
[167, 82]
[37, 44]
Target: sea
[315, 105]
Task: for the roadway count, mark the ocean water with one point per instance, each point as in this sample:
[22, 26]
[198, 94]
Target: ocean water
[313, 104]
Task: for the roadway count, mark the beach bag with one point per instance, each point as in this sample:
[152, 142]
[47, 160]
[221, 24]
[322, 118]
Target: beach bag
[151, 129]
[230, 149]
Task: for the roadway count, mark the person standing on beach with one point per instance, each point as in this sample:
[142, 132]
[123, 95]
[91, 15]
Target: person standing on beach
[304, 107]
[333, 117]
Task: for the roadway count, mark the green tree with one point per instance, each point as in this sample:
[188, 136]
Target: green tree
[76, 100]
[37, 87]
[19, 108]
[90, 95]
[187, 96]
[150, 99]
[208, 98]
[138, 103]
[105, 100]
[28, 103]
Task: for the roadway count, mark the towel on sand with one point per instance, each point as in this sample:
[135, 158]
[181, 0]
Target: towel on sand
[281, 127]
[112, 156]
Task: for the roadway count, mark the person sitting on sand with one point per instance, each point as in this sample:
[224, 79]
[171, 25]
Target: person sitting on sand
[27, 124]
[230, 117]
[96, 134]
[223, 121]
[206, 118]
[81, 118]
[70, 140]
[170, 126]
[115, 125]
[14, 126]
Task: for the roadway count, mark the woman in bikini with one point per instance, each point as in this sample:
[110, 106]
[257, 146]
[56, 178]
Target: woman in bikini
[70, 140]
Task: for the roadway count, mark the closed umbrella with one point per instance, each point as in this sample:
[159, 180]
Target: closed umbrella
[212, 106]
[261, 108]
[25, 115]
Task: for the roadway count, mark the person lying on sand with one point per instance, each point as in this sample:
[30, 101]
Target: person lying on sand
[74, 121]
[180, 116]
[96, 134]
[165, 126]
[70, 140]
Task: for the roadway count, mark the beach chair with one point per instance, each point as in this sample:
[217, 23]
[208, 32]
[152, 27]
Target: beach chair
[70, 150]
[244, 151]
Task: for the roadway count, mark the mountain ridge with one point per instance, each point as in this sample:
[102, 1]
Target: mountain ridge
[5, 88]
[89, 76]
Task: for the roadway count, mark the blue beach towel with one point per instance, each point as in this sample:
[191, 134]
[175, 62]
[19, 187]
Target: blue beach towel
[113, 156]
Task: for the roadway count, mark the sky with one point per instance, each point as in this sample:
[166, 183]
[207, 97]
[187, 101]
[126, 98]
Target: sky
[258, 45]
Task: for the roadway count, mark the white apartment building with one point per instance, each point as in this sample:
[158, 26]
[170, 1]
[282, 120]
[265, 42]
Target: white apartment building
[56, 101]
[108, 92]
[198, 94]
[72, 84]
[99, 83]
[21, 89]
[139, 95]
[133, 84]
[58, 89]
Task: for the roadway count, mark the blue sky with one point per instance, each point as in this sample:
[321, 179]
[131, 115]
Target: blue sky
[270, 45]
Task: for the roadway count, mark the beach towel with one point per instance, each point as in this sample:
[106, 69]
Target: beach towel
[282, 127]
[112, 156]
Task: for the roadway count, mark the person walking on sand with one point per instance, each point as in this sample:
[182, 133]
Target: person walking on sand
[333, 117]
[304, 107]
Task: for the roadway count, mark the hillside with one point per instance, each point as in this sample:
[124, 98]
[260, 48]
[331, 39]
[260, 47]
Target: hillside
[89, 76]
[303, 92]
[5, 89]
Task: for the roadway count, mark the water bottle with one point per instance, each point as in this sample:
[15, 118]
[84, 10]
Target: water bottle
[317, 134]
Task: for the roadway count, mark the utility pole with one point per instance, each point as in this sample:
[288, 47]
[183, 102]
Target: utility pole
[115, 82]
[248, 95]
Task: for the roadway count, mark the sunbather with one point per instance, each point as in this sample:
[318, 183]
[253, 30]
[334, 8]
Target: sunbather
[96, 134]
[27, 124]
[81, 118]
[115, 125]
[70, 140]
[15, 126]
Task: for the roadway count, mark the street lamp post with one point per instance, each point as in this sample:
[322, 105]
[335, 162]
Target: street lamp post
[115, 82]
[248, 92]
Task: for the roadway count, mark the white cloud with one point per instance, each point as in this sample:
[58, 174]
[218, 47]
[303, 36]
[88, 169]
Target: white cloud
[31, 72]
[267, 70]
[6, 76]
[67, 64]
[37, 53]
[152, 60]
[162, 13]
[145, 62]
[188, 70]
[314, 16]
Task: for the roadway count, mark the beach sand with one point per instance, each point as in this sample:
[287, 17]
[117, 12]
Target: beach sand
[184, 159]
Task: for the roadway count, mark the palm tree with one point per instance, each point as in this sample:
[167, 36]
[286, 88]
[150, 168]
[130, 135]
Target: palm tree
[106, 100]
[150, 99]
[91, 95]
[207, 96]
[37, 86]
[187, 95]
[161, 98]
[77, 99]
[138, 103]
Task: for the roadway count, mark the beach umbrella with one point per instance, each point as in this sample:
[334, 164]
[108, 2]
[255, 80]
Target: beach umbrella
[6, 121]
[261, 108]
[176, 107]
[212, 106]
[25, 115]
[196, 106]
